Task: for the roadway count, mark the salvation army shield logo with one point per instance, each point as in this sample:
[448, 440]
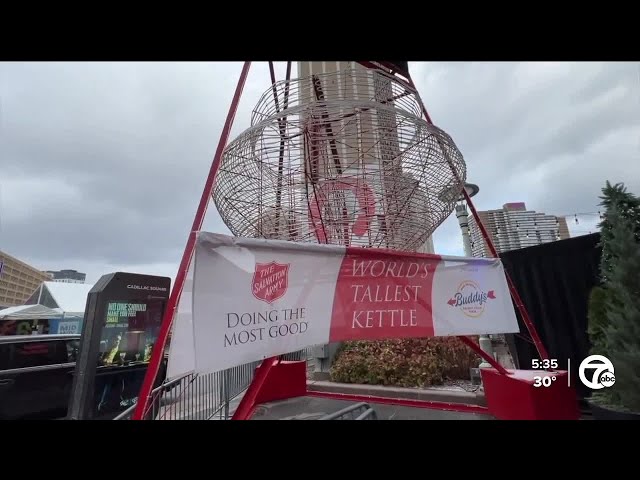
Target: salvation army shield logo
[270, 281]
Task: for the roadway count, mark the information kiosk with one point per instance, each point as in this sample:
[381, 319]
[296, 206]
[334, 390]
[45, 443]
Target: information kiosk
[122, 320]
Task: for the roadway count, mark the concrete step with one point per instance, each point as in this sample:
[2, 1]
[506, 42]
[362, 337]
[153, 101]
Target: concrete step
[426, 394]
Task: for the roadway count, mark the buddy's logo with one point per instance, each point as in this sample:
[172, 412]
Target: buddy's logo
[270, 281]
[471, 299]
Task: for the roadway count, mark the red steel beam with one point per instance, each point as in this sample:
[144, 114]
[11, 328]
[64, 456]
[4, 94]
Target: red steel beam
[248, 402]
[512, 289]
[158, 349]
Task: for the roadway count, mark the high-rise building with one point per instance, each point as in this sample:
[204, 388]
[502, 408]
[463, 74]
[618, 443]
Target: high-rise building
[68, 276]
[513, 227]
[18, 280]
[375, 139]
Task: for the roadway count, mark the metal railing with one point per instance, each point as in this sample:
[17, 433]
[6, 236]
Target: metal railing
[357, 411]
[204, 396]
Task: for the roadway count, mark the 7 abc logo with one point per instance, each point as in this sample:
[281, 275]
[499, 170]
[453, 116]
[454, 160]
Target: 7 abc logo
[603, 372]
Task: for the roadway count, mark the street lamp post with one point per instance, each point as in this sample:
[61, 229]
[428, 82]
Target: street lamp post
[462, 215]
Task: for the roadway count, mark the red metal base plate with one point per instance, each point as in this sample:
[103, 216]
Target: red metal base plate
[530, 395]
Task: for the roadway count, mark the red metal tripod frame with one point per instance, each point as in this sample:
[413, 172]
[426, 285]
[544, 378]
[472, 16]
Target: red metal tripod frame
[512, 288]
[158, 349]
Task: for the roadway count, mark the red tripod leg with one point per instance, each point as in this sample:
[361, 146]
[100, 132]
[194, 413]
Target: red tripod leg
[144, 396]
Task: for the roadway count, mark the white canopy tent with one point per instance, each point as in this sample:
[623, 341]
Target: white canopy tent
[66, 301]
[69, 298]
[30, 312]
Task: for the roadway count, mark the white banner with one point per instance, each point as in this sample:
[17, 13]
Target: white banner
[249, 299]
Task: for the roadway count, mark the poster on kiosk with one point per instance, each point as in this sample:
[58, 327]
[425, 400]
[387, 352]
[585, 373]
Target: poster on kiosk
[122, 321]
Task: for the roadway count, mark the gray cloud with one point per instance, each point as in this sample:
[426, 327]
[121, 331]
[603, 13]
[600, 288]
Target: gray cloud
[102, 164]
[109, 159]
[546, 134]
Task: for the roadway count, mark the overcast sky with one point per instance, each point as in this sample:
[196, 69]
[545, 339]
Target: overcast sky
[102, 164]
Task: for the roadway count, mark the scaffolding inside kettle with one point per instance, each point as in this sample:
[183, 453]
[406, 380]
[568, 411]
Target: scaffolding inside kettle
[341, 158]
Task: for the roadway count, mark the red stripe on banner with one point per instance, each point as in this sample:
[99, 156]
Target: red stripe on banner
[380, 294]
